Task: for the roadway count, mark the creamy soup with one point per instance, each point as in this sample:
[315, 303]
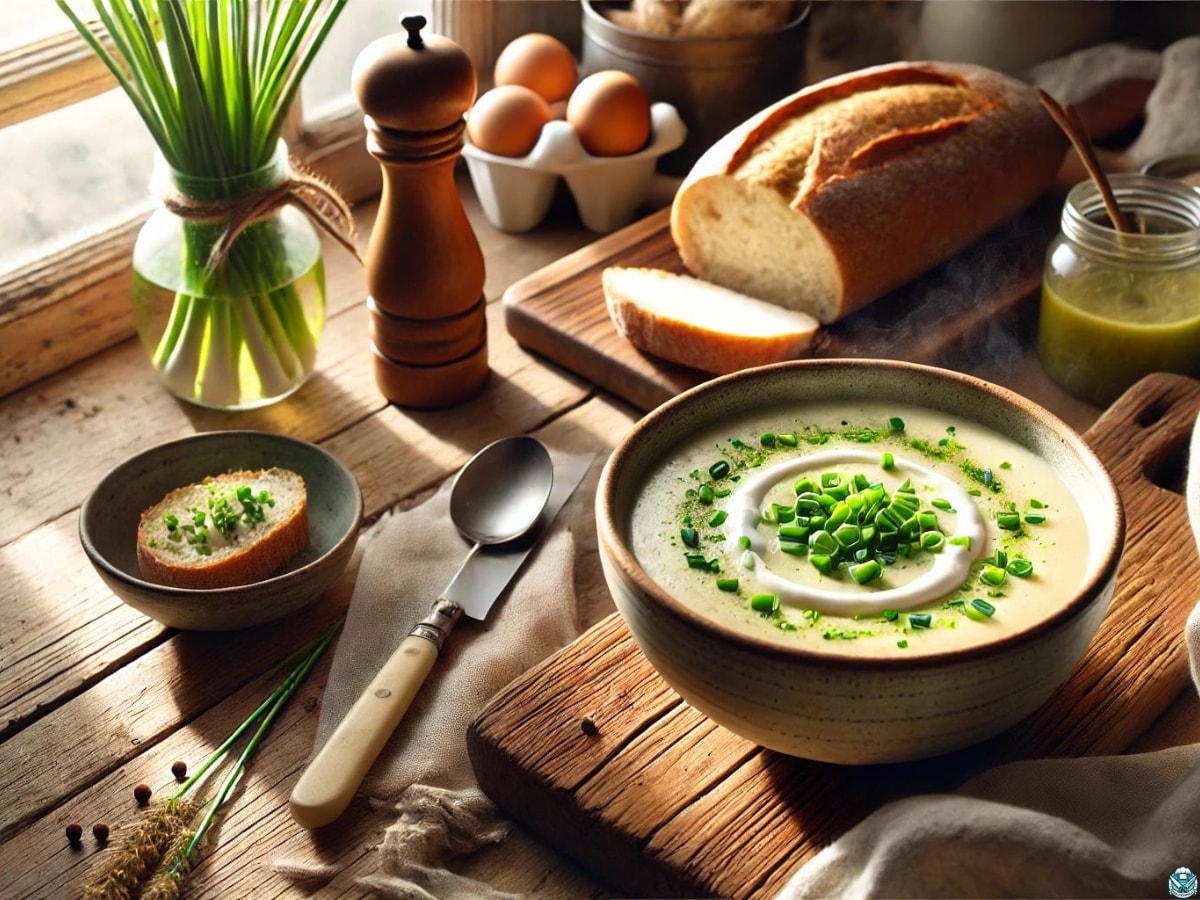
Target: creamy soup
[871, 530]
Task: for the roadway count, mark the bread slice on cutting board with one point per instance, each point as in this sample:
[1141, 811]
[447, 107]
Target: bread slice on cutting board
[205, 535]
[832, 197]
[692, 322]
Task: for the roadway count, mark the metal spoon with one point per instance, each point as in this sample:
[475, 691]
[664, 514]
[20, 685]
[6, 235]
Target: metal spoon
[497, 497]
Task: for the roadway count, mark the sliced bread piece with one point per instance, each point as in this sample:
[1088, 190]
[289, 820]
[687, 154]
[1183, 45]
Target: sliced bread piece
[227, 530]
[702, 325]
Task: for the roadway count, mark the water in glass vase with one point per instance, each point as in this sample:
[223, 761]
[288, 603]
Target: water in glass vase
[244, 335]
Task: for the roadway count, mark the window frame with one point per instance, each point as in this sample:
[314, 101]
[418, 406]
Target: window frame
[73, 302]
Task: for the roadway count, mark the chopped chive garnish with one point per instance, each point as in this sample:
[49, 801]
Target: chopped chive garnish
[992, 575]
[823, 543]
[717, 518]
[718, 470]
[891, 615]
[942, 504]
[1021, 568]
[1036, 504]
[705, 494]
[932, 541]
[895, 423]
[981, 609]
[902, 644]
[696, 560]
[866, 572]
[728, 585]
[1008, 520]
[689, 536]
[1035, 518]
[823, 564]
[920, 620]
[767, 439]
[764, 603]
[887, 461]
[788, 440]
[961, 540]
[743, 542]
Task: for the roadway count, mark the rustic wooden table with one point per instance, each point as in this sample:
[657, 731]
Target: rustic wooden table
[96, 698]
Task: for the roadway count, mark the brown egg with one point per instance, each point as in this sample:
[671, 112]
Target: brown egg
[508, 120]
[539, 62]
[611, 114]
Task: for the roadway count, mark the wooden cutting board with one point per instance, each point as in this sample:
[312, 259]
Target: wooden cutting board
[981, 301]
[661, 802]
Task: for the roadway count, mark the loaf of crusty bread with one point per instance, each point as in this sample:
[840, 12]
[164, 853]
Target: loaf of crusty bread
[227, 530]
[830, 198]
[702, 325]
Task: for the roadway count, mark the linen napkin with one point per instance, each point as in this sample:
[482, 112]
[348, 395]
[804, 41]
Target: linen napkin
[1116, 826]
[423, 773]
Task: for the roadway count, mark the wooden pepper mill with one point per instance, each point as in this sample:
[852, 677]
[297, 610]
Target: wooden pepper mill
[424, 268]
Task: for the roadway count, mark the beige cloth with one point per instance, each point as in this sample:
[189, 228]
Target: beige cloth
[423, 772]
[1117, 826]
[1171, 126]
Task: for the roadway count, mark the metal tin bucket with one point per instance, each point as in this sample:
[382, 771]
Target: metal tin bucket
[715, 83]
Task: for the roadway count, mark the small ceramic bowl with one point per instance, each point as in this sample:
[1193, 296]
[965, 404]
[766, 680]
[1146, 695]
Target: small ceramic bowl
[108, 522]
[516, 194]
[835, 707]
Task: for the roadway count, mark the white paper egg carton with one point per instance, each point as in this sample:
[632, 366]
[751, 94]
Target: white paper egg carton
[516, 193]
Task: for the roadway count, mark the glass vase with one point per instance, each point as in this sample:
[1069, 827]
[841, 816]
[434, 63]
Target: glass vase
[242, 333]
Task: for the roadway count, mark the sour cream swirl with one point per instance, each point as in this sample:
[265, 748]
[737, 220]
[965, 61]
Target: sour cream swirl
[950, 567]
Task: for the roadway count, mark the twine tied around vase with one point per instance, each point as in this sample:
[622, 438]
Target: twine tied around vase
[302, 188]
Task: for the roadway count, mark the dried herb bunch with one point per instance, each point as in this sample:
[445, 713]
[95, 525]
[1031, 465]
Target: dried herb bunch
[151, 857]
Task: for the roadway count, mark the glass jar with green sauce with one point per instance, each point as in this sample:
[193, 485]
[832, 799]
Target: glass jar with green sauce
[1117, 307]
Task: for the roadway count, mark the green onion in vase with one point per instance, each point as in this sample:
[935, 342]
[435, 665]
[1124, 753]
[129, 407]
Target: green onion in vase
[229, 284]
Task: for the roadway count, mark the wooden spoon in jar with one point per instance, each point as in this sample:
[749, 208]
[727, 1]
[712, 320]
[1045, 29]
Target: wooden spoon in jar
[1068, 120]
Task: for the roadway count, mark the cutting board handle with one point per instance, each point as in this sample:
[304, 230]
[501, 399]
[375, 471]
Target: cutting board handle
[1143, 437]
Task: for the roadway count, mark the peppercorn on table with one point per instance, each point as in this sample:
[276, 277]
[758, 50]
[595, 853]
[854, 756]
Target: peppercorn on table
[101, 704]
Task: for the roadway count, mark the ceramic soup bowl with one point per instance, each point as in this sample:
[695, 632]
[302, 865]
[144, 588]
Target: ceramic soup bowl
[950, 638]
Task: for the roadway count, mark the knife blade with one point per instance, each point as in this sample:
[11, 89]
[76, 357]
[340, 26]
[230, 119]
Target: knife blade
[330, 780]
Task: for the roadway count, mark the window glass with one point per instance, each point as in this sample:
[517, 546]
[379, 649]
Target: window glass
[327, 88]
[87, 167]
[76, 170]
[23, 22]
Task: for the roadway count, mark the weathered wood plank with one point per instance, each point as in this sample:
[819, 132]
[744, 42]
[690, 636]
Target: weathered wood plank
[123, 731]
[394, 454]
[50, 73]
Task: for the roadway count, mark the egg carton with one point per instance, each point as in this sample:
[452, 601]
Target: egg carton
[516, 193]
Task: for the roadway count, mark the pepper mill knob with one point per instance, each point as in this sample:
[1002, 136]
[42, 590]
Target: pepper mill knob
[413, 25]
[414, 82]
[424, 268]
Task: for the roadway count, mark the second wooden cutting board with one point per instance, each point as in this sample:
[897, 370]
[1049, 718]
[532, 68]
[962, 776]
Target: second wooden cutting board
[973, 307]
[659, 801]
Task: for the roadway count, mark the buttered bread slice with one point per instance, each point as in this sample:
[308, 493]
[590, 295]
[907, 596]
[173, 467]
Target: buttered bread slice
[224, 531]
